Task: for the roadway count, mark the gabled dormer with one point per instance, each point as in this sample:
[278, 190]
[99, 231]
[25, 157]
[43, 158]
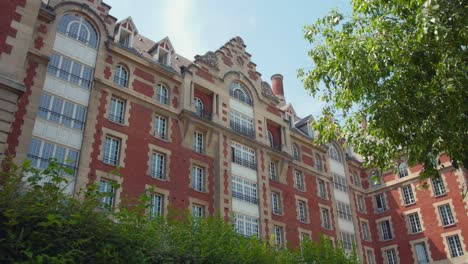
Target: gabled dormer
[305, 125]
[162, 51]
[125, 32]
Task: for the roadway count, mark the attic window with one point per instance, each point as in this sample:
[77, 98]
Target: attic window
[163, 56]
[124, 38]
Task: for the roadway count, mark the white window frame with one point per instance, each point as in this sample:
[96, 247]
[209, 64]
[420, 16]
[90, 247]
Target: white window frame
[333, 154]
[344, 211]
[299, 180]
[380, 197]
[198, 211]
[385, 230]
[121, 76]
[278, 236]
[302, 211]
[198, 141]
[403, 170]
[117, 110]
[157, 205]
[340, 183]
[326, 218]
[361, 205]
[322, 189]
[158, 166]
[244, 189]
[391, 256]
[273, 171]
[198, 178]
[455, 245]
[276, 203]
[246, 225]
[438, 186]
[414, 223]
[112, 148]
[162, 94]
[446, 214]
[160, 127]
[107, 201]
[407, 195]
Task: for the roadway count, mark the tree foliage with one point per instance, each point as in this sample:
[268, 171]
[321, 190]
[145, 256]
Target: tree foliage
[41, 224]
[399, 68]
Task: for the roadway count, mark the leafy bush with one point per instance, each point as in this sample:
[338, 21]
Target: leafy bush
[39, 223]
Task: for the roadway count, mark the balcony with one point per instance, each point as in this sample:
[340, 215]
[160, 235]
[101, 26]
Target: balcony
[245, 197]
[241, 129]
[203, 114]
[244, 162]
[275, 146]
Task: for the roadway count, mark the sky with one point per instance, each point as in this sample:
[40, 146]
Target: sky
[272, 31]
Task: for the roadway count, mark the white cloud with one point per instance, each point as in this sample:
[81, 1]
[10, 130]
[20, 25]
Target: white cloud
[180, 22]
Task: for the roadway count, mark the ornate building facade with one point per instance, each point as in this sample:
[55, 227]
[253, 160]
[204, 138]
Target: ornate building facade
[208, 135]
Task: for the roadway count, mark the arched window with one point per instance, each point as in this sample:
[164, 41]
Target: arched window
[77, 27]
[403, 170]
[318, 162]
[121, 76]
[270, 138]
[198, 105]
[162, 94]
[333, 153]
[239, 92]
[295, 152]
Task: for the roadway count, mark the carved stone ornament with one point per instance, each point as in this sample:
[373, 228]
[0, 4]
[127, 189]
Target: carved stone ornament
[266, 91]
[209, 59]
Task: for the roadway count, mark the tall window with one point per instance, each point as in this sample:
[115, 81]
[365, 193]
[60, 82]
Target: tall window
[160, 127]
[198, 141]
[318, 162]
[270, 139]
[198, 178]
[438, 186]
[106, 188]
[302, 211]
[325, 217]
[41, 151]
[344, 211]
[157, 203]
[391, 256]
[365, 231]
[370, 256]
[78, 28]
[322, 190]
[117, 110]
[340, 183]
[62, 112]
[299, 180]
[347, 240]
[333, 153]
[295, 152]
[414, 223]
[70, 71]
[360, 203]
[243, 156]
[385, 230]
[244, 189]
[357, 180]
[454, 243]
[111, 151]
[242, 124]
[274, 170]
[121, 76]
[158, 163]
[237, 90]
[162, 94]
[246, 225]
[380, 203]
[198, 211]
[276, 203]
[421, 253]
[403, 170]
[446, 216]
[279, 237]
[198, 105]
[408, 196]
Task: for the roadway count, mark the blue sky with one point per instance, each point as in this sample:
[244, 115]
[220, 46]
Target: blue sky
[272, 31]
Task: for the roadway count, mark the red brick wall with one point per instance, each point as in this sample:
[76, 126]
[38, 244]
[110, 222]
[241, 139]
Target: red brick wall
[7, 15]
[136, 162]
[275, 132]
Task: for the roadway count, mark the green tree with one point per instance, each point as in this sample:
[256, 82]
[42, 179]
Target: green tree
[399, 68]
[39, 223]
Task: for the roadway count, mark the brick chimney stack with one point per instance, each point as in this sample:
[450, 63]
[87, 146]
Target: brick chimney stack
[277, 86]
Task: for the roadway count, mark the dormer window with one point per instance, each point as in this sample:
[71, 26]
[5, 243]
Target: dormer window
[125, 38]
[126, 31]
[163, 56]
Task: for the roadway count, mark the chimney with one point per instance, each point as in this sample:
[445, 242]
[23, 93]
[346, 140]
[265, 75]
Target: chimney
[277, 86]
